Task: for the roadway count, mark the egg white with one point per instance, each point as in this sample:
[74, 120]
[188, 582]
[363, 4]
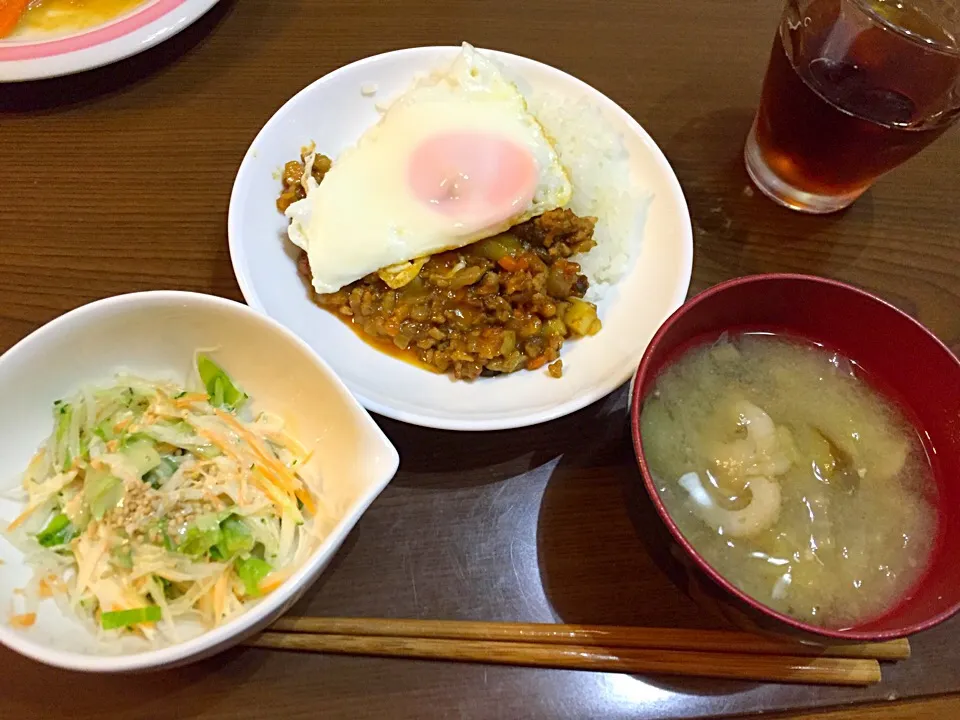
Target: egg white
[364, 216]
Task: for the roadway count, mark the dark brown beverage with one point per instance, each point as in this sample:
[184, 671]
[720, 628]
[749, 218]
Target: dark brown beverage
[848, 97]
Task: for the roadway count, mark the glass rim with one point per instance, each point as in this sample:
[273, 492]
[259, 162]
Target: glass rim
[867, 7]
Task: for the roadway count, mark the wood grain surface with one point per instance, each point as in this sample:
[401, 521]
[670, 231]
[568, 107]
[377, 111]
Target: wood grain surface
[118, 180]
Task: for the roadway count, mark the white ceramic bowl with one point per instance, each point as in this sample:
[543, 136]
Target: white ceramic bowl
[334, 112]
[155, 334]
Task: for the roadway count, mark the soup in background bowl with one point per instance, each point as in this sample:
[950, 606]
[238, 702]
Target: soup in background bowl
[915, 381]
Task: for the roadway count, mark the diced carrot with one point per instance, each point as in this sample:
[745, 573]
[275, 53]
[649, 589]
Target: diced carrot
[537, 362]
[26, 619]
[513, 264]
[10, 12]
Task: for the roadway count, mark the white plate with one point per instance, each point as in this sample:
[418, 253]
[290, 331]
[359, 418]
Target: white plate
[155, 334]
[34, 56]
[333, 112]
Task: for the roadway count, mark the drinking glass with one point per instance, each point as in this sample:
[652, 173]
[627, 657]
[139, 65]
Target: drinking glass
[853, 89]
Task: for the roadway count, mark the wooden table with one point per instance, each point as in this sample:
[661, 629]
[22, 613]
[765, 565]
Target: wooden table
[117, 180]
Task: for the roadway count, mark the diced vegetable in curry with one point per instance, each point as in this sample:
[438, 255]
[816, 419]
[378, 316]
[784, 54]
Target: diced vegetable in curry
[500, 305]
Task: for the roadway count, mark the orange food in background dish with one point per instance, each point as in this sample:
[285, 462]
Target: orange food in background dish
[59, 16]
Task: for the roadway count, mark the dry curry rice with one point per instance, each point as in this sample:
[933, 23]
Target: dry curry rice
[496, 306]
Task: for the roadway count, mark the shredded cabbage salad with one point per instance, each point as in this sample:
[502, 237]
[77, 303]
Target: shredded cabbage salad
[149, 505]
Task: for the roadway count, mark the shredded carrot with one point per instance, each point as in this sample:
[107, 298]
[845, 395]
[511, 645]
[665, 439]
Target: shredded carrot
[303, 493]
[56, 584]
[306, 458]
[274, 580]
[122, 424]
[220, 596]
[33, 461]
[288, 441]
[279, 498]
[288, 481]
[23, 621]
[189, 399]
[28, 511]
[113, 445]
[45, 590]
[304, 497]
[20, 519]
[267, 472]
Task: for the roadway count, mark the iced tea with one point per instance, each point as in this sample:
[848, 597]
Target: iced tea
[854, 88]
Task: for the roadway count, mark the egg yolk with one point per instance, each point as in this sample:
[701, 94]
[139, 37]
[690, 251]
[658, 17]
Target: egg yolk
[473, 178]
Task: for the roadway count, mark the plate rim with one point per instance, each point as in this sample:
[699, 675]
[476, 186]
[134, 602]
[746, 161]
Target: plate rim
[108, 52]
[562, 409]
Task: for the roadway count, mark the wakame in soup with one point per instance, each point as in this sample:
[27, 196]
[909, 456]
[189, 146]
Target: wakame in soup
[792, 476]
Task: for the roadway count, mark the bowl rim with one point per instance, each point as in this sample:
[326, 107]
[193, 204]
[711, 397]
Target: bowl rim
[601, 387]
[244, 624]
[635, 404]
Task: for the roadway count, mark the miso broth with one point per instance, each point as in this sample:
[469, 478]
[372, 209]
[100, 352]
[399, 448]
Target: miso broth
[792, 476]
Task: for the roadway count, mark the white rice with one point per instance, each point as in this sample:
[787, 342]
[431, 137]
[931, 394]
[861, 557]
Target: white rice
[603, 185]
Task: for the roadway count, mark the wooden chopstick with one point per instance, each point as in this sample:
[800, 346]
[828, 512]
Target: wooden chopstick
[721, 641]
[729, 665]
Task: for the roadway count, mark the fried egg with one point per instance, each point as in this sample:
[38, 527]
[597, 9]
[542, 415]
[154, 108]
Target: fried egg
[455, 159]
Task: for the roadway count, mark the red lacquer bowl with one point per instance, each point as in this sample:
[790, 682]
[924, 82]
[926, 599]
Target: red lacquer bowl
[903, 360]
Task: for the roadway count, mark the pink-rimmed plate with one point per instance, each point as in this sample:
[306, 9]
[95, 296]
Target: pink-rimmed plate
[35, 55]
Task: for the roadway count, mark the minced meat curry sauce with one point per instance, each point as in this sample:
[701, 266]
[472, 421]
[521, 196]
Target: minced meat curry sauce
[496, 306]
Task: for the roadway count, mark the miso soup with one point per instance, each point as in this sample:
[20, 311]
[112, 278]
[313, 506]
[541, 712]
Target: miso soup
[793, 477]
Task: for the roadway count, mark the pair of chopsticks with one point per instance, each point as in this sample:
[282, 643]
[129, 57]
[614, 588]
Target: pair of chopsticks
[661, 651]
